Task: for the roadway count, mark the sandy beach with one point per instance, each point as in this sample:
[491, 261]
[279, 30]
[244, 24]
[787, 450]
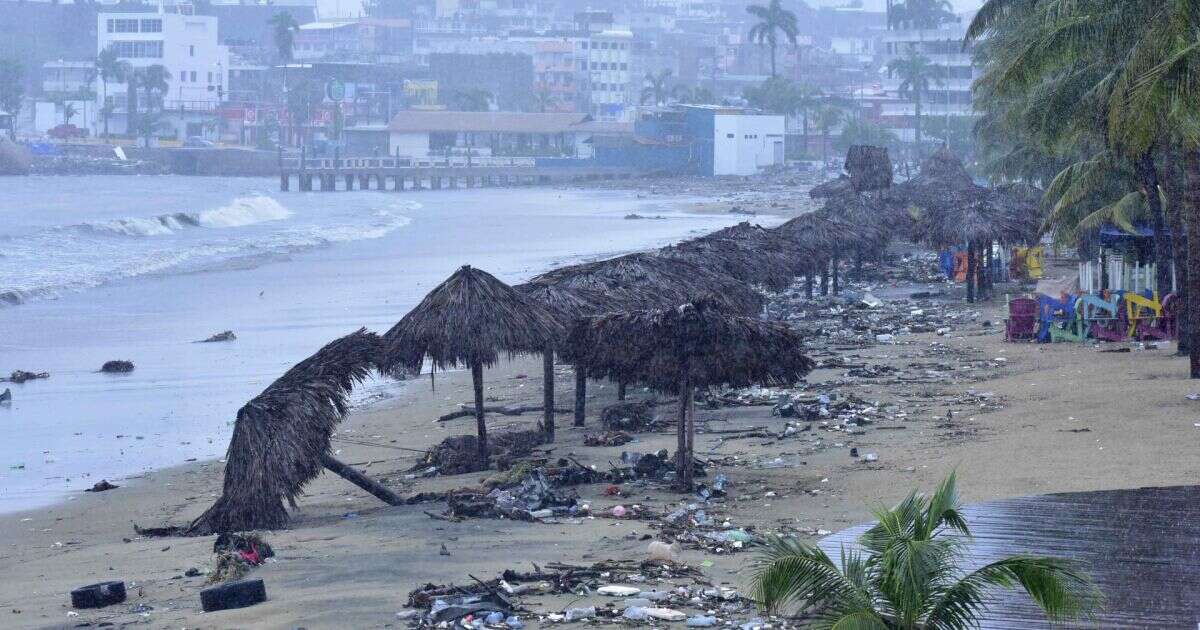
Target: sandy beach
[1023, 419]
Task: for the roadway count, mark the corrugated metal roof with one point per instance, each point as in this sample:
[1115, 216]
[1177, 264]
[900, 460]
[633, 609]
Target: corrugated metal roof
[412, 121]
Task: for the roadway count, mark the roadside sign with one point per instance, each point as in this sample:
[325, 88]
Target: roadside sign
[335, 90]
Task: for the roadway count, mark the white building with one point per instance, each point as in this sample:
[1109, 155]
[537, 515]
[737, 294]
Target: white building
[604, 57]
[743, 144]
[186, 46]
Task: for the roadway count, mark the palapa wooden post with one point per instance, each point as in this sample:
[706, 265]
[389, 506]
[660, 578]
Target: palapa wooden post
[833, 272]
[824, 278]
[970, 271]
[808, 283]
[360, 480]
[682, 475]
[621, 390]
[580, 394]
[689, 467]
[481, 427]
[548, 393]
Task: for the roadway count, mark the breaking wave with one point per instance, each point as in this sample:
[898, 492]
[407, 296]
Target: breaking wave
[57, 260]
[240, 212]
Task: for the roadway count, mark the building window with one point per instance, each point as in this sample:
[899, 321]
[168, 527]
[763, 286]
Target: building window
[210, 78]
[151, 26]
[122, 26]
[729, 135]
[138, 50]
[182, 76]
[624, 66]
[192, 52]
[193, 76]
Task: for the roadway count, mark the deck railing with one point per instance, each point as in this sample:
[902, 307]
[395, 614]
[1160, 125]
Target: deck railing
[370, 163]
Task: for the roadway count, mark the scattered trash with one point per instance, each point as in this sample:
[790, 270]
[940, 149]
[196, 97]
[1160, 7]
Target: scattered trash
[615, 590]
[221, 336]
[6, 396]
[98, 595]
[701, 621]
[663, 552]
[611, 438]
[20, 376]
[579, 614]
[870, 457]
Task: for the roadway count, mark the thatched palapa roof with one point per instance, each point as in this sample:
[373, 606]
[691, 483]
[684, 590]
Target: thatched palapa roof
[749, 253]
[281, 435]
[470, 318]
[651, 346]
[656, 281]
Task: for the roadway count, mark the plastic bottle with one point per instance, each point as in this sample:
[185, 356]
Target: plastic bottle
[701, 621]
[578, 614]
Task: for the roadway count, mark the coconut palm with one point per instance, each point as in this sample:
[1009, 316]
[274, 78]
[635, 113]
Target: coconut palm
[916, 75]
[826, 118]
[807, 98]
[911, 575]
[773, 20]
[655, 91]
[110, 68]
[151, 82]
[69, 112]
[283, 30]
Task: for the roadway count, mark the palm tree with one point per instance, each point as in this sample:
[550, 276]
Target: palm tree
[284, 29]
[773, 19]
[916, 74]
[807, 98]
[546, 99]
[110, 68]
[69, 112]
[697, 95]
[827, 117]
[911, 576]
[655, 89]
[151, 81]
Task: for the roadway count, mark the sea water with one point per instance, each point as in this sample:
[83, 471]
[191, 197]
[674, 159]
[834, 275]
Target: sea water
[141, 268]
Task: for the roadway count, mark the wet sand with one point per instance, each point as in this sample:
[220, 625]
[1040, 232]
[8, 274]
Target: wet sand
[1071, 418]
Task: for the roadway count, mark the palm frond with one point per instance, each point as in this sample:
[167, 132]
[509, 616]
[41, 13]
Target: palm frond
[1057, 586]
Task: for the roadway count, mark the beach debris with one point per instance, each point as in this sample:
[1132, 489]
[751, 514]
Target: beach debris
[221, 336]
[20, 376]
[98, 595]
[617, 590]
[459, 454]
[663, 552]
[532, 499]
[611, 438]
[102, 486]
[633, 416]
[6, 396]
[239, 594]
[579, 614]
[237, 554]
[117, 367]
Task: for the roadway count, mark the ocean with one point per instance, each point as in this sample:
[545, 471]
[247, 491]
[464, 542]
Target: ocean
[141, 268]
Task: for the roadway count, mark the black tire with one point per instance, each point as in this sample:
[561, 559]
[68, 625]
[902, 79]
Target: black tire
[98, 595]
[239, 594]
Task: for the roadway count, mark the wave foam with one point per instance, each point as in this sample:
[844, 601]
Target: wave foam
[240, 212]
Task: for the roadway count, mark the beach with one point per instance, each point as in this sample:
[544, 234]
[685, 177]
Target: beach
[142, 268]
[1011, 419]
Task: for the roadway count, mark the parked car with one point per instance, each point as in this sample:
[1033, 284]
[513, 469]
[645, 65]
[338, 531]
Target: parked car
[196, 142]
[66, 132]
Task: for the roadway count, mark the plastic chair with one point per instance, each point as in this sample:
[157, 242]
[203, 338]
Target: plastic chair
[1022, 319]
[1142, 314]
[1099, 317]
[1054, 313]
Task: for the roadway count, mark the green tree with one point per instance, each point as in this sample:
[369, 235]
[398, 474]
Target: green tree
[474, 100]
[283, 31]
[916, 74]
[111, 69]
[697, 95]
[145, 88]
[911, 576]
[69, 112]
[858, 130]
[921, 14]
[776, 94]
[827, 116]
[773, 21]
[12, 87]
[656, 87]
[807, 99]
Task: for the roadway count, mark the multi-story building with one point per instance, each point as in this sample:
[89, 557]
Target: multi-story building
[949, 94]
[604, 58]
[373, 40]
[186, 46]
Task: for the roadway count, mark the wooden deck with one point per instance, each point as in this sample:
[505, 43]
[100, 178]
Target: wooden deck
[1141, 546]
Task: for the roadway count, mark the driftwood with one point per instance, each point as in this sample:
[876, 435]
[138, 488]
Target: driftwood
[505, 411]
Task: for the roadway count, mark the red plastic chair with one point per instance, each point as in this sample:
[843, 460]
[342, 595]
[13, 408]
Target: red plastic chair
[1022, 320]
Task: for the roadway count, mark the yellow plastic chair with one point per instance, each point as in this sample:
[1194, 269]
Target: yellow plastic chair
[1035, 262]
[1139, 308]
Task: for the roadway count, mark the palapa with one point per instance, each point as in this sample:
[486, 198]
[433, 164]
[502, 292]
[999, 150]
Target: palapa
[565, 305]
[656, 281]
[869, 167]
[281, 438]
[678, 349]
[469, 320]
[749, 253]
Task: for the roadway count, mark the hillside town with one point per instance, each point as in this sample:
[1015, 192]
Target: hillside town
[637, 83]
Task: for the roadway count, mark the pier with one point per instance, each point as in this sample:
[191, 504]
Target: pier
[405, 173]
